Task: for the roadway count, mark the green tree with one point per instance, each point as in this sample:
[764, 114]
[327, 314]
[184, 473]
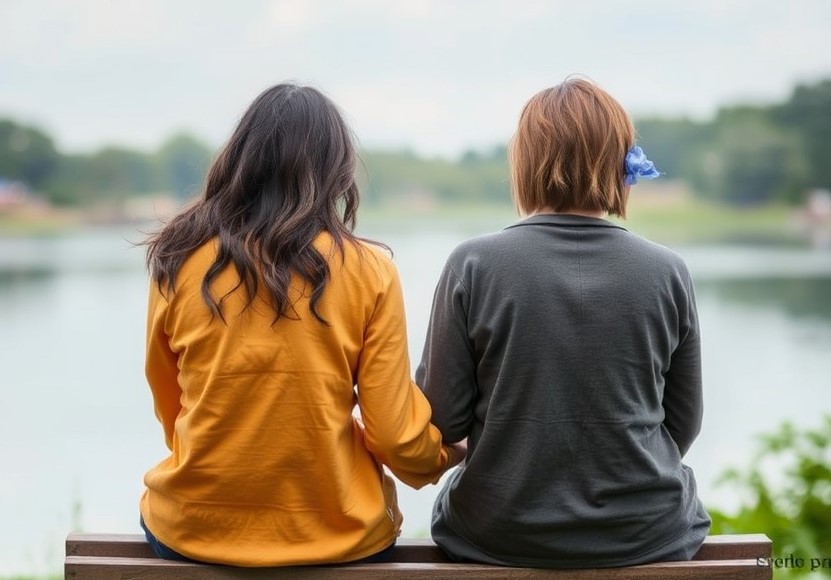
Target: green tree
[119, 172]
[808, 112]
[26, 154]
[115, 173]
[674, 145]
[182, 162]
[749, 154]
[752, 161]
[393, 176]
[111, 174]
[489, 174]
[69, 185]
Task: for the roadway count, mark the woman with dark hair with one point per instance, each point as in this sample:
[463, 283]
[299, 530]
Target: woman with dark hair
[567, 350]
[268, 322]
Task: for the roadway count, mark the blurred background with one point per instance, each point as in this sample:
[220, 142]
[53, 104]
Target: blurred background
[111, 110]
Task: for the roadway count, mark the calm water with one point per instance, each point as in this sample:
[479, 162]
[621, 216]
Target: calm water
[78, 426]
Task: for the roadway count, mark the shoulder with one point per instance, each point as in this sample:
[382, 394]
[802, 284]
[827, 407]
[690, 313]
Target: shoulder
[203, 256]
[374, 256]
[655, 263]
[365, 263]
[501, 251]
[352, 250]
[195, 266]
[474, 249]
[658, 254]
[376, 250]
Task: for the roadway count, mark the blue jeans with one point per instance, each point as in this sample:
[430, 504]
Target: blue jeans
[160, 549]
[167, 553]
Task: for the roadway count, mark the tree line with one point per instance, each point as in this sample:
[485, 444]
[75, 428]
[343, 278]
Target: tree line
[749, 154]
[29, 155]
[744, 155]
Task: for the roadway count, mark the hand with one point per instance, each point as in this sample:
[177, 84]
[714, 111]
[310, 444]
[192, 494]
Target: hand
[457, 452]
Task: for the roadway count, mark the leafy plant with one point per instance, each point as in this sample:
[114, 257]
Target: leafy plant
[787, 491]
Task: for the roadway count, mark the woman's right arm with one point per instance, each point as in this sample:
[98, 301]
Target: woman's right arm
[395, 413]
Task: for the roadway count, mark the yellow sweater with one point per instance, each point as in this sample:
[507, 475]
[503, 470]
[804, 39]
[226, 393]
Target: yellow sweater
[268, 466]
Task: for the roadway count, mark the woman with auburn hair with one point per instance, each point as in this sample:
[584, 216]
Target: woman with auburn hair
[268, 322]
[566, 351]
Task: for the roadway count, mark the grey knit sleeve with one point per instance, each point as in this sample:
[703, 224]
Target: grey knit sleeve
[447, 373]
[683, 397]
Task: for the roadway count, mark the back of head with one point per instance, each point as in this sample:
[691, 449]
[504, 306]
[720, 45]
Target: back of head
[286, 174]
[569, 149]
[290, 157]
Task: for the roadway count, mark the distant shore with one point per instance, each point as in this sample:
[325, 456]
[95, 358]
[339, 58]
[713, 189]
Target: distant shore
[680, 222]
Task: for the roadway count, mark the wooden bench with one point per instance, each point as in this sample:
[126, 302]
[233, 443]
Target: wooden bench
[129, 557]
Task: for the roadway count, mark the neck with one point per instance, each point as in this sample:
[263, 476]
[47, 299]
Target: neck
[581, 212]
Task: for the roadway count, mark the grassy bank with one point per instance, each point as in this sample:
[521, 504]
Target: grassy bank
[696, 221]
[47, 223]
[682, 221]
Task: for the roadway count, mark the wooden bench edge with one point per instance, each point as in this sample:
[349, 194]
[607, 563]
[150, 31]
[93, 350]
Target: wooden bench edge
[105, 568]
[726, 547]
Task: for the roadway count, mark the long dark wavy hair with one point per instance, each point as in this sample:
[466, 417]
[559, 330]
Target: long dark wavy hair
[286, 175]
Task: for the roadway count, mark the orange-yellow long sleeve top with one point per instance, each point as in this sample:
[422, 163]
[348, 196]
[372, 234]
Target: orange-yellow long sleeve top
[267, 465]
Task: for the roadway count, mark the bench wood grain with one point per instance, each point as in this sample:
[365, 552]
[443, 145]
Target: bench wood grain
[128, 556]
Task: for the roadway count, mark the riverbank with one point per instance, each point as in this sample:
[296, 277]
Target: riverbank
[686, 221]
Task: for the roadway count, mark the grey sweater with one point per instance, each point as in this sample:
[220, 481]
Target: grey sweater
[567, 350]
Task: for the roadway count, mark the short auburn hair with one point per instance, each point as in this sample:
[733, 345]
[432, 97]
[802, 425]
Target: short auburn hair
[569, 149]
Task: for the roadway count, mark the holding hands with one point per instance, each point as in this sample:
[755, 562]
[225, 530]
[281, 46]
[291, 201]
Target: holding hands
[457, 452]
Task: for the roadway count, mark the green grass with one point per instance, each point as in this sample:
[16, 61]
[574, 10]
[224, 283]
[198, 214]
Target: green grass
[11, 225]
[682, 221]
[699, 221]
[687, 220]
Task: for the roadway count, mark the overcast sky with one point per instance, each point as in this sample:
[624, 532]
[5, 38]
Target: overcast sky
[439, 76]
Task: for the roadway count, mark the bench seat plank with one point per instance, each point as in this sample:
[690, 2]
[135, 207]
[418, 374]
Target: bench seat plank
[97, 568]
[129, 557]
[725, 547]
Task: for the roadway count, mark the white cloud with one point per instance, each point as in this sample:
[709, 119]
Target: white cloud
[383, 112]
[438, 75]
[282, 20]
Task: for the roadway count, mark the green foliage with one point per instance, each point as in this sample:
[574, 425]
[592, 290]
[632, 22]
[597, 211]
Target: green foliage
[749, 155]
[788, 486]
[183, 162]
[401, 176]
[115, 173]
[26, 154]
[674, 145]
[112, 173]
[757, 162]
[119, 171]
[808, 112]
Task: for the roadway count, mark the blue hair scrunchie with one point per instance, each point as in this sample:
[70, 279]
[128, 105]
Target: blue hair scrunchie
[638, 166]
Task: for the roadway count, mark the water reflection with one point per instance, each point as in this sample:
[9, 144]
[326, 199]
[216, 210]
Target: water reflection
[14, 281]
[802, 298]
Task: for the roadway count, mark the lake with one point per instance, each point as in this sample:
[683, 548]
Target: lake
[78, 429]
